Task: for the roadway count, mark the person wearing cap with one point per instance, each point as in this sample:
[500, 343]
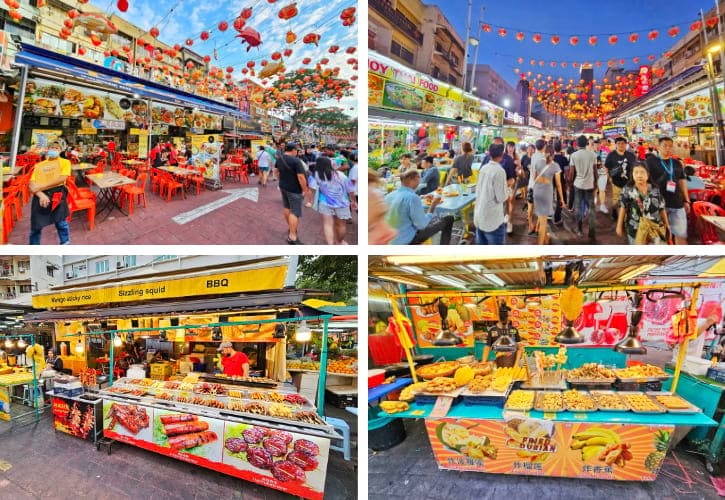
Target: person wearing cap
[235, 363]
[619, 164]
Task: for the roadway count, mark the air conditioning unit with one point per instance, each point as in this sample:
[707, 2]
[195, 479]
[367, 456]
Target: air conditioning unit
[69, 276]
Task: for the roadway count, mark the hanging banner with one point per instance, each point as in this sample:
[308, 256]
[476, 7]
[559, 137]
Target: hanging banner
[268, 278]
[235, 449]
[205, 152]
[535, 447]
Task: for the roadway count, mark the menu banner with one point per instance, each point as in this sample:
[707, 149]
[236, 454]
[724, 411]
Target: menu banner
[393, 86]
[287, 461]
[206, 152]
[536, 447]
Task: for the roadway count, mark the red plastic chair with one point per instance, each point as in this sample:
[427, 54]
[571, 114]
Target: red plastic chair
[708, 232]
[244, 173]
[138, 190]
[172, 185]
[198, 179]
[82, 192]
[76, 204]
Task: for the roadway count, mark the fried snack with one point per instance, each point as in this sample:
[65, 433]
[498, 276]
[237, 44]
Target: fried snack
[309, 417]
[70, 109]
[482, 368]
[279, 410]
[409, 392]
[641, 371]
[441, 385]
[576, 400]
[394, 406]
[673, 402]
[480, 384]
[641, 402]
[550, 401]
[260, 396]
[255, 408]
[610, 402]
[113, 108]
[501, 383]
[275, 396]
[463, 375]
[590, 371]
[72, 95]
[444, 369]
[236, 393]
[236, 405]
[520, 400]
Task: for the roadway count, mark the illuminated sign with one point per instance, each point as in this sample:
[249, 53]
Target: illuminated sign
[644, 80]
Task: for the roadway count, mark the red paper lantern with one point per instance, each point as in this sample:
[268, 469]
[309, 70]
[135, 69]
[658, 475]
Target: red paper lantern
[711, 23]
[73, 13]
[634, 37]
[239, 23]
[81, 51]
[287, 52]
[536, 38]
[306, 60]
[230, 69]
[333, 49]
[95, 40]
[696, 26]
[574, 40]
[635, 60]
[122, 5]
[154, 32]
[207, 59]
[520, 60]
[502, 32]
[668, 54]
[324, 60]
[651, 57]
[68, 23]
[246, 13]
[574, 65]
[520, 36]
[598, 64]
[563, 65]
[189, 64]
[486, 28]
[555, 39]
[673, 31]
[189, 42]
[263, 63]
[593, 40]
[288, 12]
[223, 26]
[204, 35]
[652, 35]
[276, 56]
[553, 64]
[613, 39]
[533, 62]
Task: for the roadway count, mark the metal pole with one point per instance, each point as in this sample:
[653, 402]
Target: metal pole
[323, 371]
[465, 44]
[475, 52]
[18, 117]
[35, 379]
[717, 115]
[110, 361]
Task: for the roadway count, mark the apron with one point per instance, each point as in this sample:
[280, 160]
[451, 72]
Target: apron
[41, 217]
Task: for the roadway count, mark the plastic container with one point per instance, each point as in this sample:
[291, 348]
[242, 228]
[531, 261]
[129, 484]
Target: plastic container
[136, 372]
[696, 366]
[375, 377]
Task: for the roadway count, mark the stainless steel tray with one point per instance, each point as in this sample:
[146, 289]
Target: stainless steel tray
[579, 410]
[537, 403]
[661, 409]
[691, 408]
[530, 407]
[596, 394]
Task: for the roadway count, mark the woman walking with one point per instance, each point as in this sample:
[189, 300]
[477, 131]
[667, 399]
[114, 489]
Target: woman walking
[642, 212]
[544, 182]
[335, 199]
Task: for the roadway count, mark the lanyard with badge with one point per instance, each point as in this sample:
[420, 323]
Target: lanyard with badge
[671, 185]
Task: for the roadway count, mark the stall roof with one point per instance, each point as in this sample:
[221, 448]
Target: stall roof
[481, 273]
[55, 65]
[199, 306]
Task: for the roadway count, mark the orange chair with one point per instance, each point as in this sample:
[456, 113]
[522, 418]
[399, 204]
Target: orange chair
[708, 233]
[138, 190]
[198, 179]
[76, 203]
[172, 185]
[155, 180]
[82, 192]
[244, 173]
[11, 197]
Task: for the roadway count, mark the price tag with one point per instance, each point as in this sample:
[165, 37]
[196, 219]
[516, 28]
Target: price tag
[442, 407]
[580, 416]
[550, 415]
[417, 413]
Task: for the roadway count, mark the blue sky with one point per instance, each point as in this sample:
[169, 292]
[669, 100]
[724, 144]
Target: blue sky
[182, 19]
[569, 17]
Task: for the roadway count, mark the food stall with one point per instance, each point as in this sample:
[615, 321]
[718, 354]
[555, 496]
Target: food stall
[253, 428]
[92, 104]
[563, 391]
[15, 406]
[409, 109]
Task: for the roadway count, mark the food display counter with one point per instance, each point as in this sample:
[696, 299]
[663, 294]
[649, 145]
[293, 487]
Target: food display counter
[592, 428]
[80, 416]
[269, 436]
[7, 383]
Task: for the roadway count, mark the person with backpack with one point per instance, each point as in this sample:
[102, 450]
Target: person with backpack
[619, 164]
[336, 196]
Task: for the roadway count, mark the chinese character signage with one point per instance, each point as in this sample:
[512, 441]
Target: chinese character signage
[644, 80]
[527, 446]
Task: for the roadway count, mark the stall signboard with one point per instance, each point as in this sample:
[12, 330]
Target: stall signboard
[5, 394]
[478, 111]
[42, 138]
[81, 419]
[690, 110]
[537, 324]
[513, 118]
[521, 445]
[267, 278]
[614, 131]
[206, 152]
[393, 86]
[287, 461]
[142, 146]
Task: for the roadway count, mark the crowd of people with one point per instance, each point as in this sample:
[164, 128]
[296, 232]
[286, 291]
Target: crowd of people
[643, 189]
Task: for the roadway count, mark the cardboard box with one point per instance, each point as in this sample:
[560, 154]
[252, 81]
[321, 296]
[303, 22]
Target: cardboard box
[160, 369]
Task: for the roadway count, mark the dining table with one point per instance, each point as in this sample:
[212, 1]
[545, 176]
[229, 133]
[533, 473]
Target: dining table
[716, 220]
[109, 194]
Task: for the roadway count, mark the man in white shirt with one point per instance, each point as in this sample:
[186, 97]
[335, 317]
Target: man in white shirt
[584, 162]
[491, 197]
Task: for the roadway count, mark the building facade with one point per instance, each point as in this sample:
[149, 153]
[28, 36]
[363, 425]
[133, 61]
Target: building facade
[492, 87]
[418, 36]
[15, 280]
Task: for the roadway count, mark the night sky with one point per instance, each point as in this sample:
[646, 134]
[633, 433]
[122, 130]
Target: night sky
[571, 17]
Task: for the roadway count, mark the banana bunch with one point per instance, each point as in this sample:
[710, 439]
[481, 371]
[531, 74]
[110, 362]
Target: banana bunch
[514, 373]
[409, 392]
[596, 442]
[37, 353]
[394, 406]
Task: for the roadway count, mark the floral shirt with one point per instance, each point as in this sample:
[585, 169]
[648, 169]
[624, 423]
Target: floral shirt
[638, 205]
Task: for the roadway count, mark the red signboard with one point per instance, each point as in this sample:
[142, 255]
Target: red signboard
[644, 80]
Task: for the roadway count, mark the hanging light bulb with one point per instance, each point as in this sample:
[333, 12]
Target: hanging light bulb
[117, 342]
[303, 333]
[79, 347]
[21, 343]
[8, 343]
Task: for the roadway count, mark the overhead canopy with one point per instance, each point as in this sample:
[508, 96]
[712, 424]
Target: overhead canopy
[43, 62]
[241, 302]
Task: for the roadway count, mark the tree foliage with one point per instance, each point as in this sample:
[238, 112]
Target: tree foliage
[331, 273]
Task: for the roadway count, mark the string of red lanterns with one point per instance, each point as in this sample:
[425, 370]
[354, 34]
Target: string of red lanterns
[596, 63]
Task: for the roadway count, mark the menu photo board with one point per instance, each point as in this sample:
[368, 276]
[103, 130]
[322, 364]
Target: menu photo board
[205, 152]
[477, 110]
[393, 86]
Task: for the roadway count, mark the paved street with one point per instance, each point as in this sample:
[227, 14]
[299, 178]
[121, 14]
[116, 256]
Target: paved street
[243, 221]
[49, 464]
[410, 471]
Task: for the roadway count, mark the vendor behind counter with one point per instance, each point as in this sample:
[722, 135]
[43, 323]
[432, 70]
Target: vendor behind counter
[234, 362]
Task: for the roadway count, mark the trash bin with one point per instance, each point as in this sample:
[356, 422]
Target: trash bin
[384, 432]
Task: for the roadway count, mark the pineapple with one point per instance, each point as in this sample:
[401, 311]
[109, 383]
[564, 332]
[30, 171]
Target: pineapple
[654, 460]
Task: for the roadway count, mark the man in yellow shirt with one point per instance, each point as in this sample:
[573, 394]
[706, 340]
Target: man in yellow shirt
[50, 196]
